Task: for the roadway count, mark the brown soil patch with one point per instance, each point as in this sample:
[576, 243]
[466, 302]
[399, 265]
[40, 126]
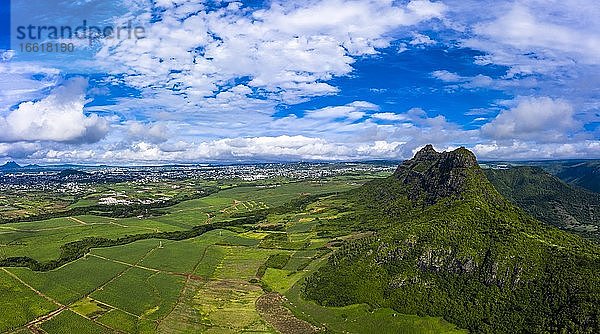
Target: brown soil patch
[270, 306]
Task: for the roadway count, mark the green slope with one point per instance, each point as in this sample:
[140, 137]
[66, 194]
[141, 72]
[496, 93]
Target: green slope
[579, 173]
[448, 244]
[549, 199]
[584, 174]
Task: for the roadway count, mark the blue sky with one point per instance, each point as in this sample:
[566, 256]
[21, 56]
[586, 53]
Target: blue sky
[307, 80]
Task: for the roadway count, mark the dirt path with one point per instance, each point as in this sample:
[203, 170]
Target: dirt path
[191, 282]
[191, 285]
[126, 263]
[33, 324]
[32, 288]
[129, 266]
[15, 230]
[79, 225]
[154, 270]
[157, 230]
[78, 221]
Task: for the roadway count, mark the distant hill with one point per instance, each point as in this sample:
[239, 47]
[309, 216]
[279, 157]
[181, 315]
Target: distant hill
[549, 199]
[69, 169]
[580, 173]
[446, 243]
[33, 166]
[583, 174]
[10, 167]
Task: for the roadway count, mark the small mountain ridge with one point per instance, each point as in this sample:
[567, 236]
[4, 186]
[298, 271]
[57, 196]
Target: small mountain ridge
[550, 199]
[585, 175]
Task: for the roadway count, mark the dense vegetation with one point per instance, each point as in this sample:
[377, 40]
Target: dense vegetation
[275, 261]
[580, 173]
[446, 243]
[549, 199]
[583, 174]
[74, 250]
[77, 249]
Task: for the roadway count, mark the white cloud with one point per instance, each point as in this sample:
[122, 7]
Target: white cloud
[421, 40]
[447, 76]
[278, 148]
[521, 29]
[522, 150]
[287, 51]
[68, 155]
[557, 39]
[548, 47]
[534, 118]
[380, 149]
[427, 9]
[401, 48]
[18, 150]
[335, 134]
[352, 111]
[479, 81]
[389, 116]
[154, 133]
[232, 149]
[455, 80]
[58, 117]
[17, 82]
[7, 55]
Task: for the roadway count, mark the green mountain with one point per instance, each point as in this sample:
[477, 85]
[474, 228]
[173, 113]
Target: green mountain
[445, 242]
[549, 199]
[584, 174]
[10, 167]
[580, 173]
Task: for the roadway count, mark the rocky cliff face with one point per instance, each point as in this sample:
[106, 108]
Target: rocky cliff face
[436, 175]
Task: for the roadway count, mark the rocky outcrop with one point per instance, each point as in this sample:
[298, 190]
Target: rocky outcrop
[434, 175]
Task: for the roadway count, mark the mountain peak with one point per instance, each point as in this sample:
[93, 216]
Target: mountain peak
[435, 175]
[427, 152]
[11, 165]
[460, 157]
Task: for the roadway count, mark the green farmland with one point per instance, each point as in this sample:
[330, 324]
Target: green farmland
[238, 278]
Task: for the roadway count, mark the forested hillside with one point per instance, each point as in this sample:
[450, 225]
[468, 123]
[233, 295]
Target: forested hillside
[446, 243]
[584, 174]
[549, 199]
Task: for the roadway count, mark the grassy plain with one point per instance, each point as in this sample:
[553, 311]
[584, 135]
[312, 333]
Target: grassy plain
[19, 304]
[71, 322]
[209, 283]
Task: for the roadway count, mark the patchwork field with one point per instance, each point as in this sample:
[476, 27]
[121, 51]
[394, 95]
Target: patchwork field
[239, 278]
